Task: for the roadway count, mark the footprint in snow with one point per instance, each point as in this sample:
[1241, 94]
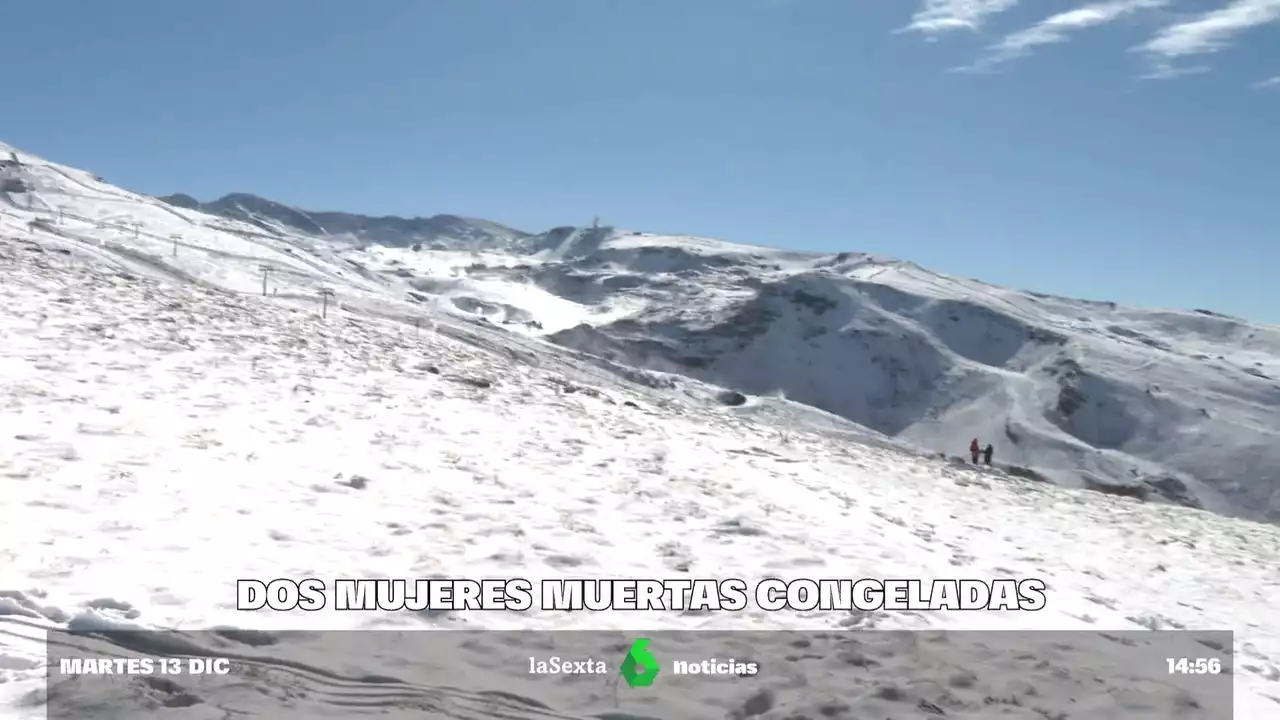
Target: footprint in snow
[563, 562]
[738, 526]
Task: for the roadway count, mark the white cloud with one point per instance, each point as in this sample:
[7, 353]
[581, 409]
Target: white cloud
[1186, 29]
[1168, 72]
[1211, 31]
[1057, 28]
[940, 16]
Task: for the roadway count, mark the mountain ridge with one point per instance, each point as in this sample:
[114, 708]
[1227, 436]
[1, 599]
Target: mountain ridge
[391, 230]
[226, 206]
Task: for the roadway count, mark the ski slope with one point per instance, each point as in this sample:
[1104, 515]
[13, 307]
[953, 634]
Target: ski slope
[168, 430]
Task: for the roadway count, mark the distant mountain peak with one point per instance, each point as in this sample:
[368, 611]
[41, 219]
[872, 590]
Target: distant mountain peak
[182, 200]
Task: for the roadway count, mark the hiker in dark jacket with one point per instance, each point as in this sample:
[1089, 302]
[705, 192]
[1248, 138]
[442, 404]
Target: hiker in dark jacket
[973, 450]
[986, 453]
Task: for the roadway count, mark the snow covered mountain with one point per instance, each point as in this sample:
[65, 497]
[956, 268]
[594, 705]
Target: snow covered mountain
[1176, 405]
[1180, 405]
[191, 399]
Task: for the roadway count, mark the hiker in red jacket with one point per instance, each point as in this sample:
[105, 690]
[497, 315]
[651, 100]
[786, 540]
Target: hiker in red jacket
[974, 450]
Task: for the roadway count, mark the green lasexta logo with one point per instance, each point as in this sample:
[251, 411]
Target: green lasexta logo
[639, 667]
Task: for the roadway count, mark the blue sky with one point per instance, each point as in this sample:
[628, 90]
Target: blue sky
[1123, 150]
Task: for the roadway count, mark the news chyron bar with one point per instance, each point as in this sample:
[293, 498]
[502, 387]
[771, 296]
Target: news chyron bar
[856, 668]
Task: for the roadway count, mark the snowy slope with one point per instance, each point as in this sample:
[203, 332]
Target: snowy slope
[168, 430]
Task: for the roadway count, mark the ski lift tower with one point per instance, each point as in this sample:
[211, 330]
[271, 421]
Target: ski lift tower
[266, 271]
[326, 296]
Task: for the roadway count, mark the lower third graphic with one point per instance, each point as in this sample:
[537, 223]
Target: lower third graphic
[640, 667]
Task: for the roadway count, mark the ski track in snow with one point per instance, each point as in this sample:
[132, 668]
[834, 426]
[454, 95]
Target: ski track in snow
[162, 438]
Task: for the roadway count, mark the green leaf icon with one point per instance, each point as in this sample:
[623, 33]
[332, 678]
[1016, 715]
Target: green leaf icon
[639, 667]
